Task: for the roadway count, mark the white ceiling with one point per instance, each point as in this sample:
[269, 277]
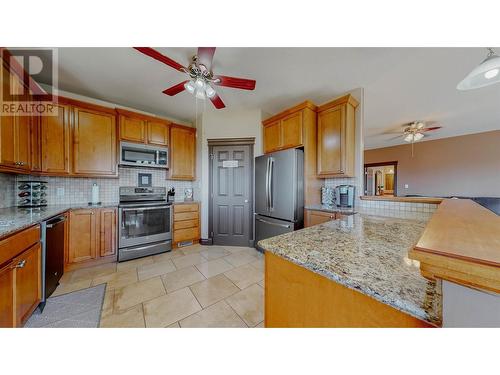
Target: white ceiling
[400, 84]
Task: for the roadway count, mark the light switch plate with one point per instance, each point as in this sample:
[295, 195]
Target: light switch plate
[406, 186]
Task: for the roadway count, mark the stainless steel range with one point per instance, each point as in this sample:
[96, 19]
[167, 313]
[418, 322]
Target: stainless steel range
[145, 222]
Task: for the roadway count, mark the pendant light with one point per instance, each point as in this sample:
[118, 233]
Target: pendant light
[485, 74]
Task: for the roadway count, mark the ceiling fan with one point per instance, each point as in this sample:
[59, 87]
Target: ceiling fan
[414, 132]
[201, 79]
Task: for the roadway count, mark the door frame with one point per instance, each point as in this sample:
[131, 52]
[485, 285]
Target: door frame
[249, 141]
[382, 164]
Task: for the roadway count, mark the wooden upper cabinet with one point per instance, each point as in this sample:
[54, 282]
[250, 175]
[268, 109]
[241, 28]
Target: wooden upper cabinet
[15, 132]
[8, 157]
[94, 142]
[158, 132]
[36, 152]
[83, 236]
[286, 129]
[182, 152]
[132, 129]
[23, 142]
[336, 138]
[291, 129]
[55, 141]
[107, 232]
[141, 128]
[272, 137]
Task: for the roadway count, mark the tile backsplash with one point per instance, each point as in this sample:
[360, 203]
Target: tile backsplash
[7, 195]
[379, 205]
[76, 190]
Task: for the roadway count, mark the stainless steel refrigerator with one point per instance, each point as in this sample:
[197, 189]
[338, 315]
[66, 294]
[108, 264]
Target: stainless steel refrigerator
[279, 193]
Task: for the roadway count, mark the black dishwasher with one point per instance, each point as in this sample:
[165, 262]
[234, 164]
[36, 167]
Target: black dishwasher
[53, 255]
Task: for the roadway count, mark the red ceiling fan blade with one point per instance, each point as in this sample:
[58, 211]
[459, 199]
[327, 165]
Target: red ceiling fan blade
[430, 129]
[237, 83]
[174, 90]
[217, 101]
[205, 56]
[158, 56]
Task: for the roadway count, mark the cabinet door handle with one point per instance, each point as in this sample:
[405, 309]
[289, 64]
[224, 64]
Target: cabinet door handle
[21, 264]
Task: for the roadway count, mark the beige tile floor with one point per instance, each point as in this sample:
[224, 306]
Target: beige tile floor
[196, 286]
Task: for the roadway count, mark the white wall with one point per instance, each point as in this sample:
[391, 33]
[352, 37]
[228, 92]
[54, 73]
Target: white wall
[221, 124]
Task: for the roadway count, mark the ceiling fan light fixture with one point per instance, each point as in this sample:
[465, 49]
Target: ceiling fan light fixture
[189, 86]
[417, 137]
[409, 138]
[484, 74]
[200, 84]
[209, 91]
[200, 94]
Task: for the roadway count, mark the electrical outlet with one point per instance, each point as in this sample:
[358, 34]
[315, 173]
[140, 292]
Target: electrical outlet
[60, 192]
[406, 186]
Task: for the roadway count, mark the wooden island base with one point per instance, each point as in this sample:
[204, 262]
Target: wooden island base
[298, 298]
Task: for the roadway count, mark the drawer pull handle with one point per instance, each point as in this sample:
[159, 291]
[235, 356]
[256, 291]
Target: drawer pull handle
[21, 264]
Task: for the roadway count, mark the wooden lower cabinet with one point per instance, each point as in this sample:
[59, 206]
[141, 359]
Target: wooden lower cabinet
[82, 236]
[92, 237]
[7, 288]
[107, 232]
[296, 297]
[28, 282]
[186, 223]
[20, 281]
[313, 217]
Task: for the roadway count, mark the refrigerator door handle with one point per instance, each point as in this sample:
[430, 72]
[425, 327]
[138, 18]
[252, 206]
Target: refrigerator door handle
[275, 224]
[271, 195]
[267, 184]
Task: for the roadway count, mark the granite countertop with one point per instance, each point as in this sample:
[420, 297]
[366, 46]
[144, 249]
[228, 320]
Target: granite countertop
[367, 253]
[13, 219]
[325, 208]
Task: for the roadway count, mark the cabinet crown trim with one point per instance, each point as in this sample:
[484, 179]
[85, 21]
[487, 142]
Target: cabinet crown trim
[298, 107]
[141, 116]
[345, 99]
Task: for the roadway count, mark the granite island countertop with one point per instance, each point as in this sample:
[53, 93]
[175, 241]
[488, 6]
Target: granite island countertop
[367, 253]
[13, 219]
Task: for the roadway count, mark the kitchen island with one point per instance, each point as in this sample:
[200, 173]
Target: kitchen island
[352, 272]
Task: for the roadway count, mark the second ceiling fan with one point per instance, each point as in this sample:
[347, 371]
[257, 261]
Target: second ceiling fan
[201, 79]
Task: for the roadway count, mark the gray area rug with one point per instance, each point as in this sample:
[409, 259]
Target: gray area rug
[80, 309]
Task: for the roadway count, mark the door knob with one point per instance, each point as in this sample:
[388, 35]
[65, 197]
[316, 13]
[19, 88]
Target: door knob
[246, 200]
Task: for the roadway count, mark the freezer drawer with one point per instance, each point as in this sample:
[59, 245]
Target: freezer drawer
[266, 227]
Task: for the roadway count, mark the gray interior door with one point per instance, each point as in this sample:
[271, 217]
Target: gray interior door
[231, 195]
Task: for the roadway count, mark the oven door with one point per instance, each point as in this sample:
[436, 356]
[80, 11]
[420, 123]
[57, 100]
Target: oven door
[141, 225]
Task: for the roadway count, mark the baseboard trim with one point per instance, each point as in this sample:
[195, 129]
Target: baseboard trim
[207, 241]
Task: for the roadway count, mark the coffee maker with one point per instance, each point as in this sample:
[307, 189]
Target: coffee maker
[344, 196]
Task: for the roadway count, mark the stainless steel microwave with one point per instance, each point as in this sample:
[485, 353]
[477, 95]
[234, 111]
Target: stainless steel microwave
[139, 155]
